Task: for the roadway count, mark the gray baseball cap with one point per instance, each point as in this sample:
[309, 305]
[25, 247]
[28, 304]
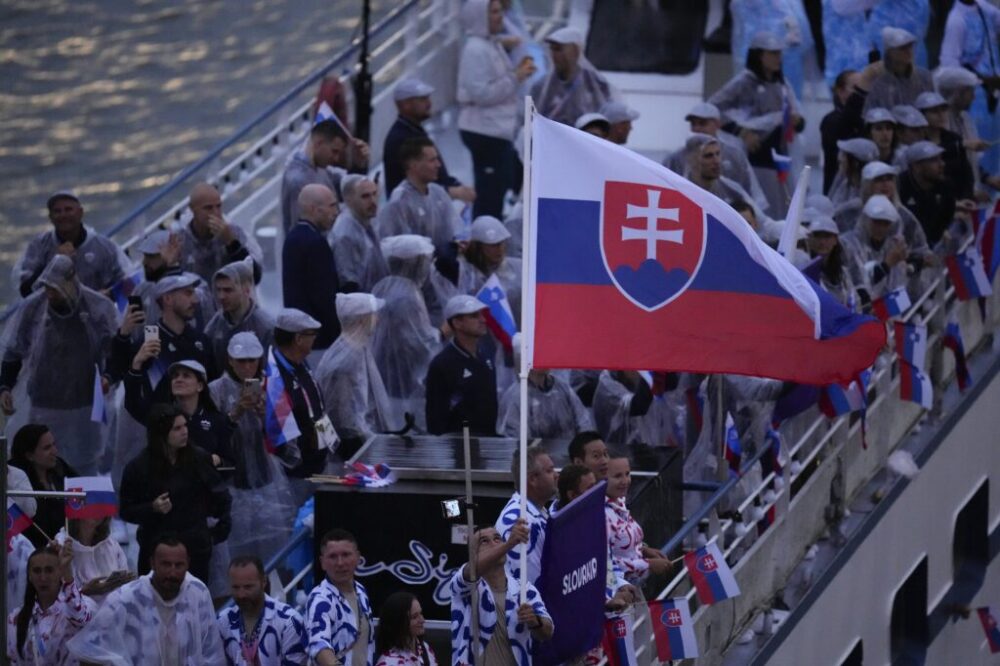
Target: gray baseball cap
[462, 305]
[175, 282]
[618, 112]
[295, 321]
[245, 345]
[863, 149]
[410, 88]
[922, 150]
[153, 241]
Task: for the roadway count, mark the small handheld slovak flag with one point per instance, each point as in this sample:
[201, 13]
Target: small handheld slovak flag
[782, 164]
[499, 317]
[617, 643]
[989, 621]
[953, 340]
[100, 502]
[710, 574]
[911, 343]
[915, 385]
[121, 290]
[369, 476]
[17, 521]
[892, 304]
[280, 426]
[838, 399]
[988, 244]
[673, 629]
[98, 406]
[968, 275]
[324, 112]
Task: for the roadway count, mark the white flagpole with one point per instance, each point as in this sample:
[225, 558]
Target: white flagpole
[793, 220]
[527, 326]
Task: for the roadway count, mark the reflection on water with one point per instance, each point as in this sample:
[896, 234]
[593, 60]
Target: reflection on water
[112, 97]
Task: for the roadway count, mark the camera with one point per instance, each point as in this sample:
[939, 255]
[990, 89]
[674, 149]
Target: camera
[452, 508]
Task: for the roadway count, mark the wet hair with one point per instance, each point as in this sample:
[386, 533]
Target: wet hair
[569, 481]
[30, 597]
[168, 539]
[328, 130]
[754, 64]
[102, 532]
[618, 454]
[841, 81]
[158, 425]
[413, 149]
[833, 267]
[25, 442]
[393, 630]
[337, 534]
[579, 443]
[742, 205]
[248, 560]
[474, 255]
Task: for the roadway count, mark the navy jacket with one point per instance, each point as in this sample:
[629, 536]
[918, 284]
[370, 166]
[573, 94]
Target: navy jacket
[309, 279]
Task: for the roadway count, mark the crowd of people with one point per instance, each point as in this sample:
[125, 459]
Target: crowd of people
[162, 369]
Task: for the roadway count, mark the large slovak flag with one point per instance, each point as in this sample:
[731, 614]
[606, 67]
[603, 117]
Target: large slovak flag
[711, 576]
[280, 426]
[968, 275]
[915, 385]
[634, 267]
[499, 317]
[989, 621]
[673, 629]
[100, 502]
[911, 343]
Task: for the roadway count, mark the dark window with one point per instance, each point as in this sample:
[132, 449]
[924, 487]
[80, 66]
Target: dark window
[970, 548]
[908, 626]
[857, 655]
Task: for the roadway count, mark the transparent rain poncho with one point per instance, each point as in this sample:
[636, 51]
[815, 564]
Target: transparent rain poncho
[356, 251]
[355, 397]
[136, 627]
[99, 262]
[555, 411]
[60, 349]
[261, 493]
[864, 259]
[613, 419]
[405, 341]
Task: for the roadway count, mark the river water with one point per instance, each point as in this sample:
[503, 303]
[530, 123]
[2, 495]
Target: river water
[111, 98]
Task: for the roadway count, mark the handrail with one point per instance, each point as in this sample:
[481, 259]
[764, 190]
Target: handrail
[312, 79]
[297, 539]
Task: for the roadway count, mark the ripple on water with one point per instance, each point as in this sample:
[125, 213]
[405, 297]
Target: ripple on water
[112, 97]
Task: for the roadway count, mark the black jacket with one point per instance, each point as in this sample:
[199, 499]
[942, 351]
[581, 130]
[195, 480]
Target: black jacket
[462, 388]
[196, 492]
[844, 122]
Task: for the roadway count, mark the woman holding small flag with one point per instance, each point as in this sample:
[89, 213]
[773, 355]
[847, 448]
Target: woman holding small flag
[54, 610]
[34, 451]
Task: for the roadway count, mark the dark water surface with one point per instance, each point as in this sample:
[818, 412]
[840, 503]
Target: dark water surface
[112, 97]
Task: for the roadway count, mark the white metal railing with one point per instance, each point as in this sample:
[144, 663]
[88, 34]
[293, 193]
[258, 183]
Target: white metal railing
[827, 441]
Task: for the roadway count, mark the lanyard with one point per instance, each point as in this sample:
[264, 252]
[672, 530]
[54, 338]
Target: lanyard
[248, 644]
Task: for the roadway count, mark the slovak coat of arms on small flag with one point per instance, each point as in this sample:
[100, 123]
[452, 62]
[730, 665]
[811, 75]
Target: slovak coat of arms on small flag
[673, 629]
[618, 644]
[100, 502]
[710, 574]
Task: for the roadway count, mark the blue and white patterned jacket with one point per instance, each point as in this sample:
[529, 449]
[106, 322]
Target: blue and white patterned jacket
[282, 637]
[461, 618]
[538, 518]
[332, 625]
